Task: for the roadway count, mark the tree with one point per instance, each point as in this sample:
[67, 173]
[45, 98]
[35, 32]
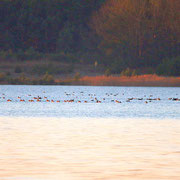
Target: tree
[40, 23]
[144, 28]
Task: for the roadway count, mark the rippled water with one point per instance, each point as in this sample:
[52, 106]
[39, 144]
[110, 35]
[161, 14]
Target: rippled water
[89, 140]
[108, 107]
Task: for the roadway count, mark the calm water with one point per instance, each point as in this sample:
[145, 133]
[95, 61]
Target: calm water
[93, 136]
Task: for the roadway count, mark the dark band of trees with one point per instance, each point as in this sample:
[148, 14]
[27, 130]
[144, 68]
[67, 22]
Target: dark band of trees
[119, 34]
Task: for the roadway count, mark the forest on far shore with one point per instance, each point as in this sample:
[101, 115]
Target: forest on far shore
[127, 37]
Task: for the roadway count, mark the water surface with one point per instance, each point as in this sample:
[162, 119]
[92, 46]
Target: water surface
[156, 109]
[89, 140]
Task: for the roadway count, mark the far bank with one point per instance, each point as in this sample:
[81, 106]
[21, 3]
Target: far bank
[149, 80]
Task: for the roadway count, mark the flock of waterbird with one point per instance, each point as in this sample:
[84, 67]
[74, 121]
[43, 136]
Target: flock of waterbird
[77, 98]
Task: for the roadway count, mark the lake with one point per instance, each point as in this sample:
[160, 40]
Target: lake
[85, 132]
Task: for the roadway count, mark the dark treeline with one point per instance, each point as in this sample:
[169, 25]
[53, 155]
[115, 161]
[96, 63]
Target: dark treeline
[45, 25]
[118, 34]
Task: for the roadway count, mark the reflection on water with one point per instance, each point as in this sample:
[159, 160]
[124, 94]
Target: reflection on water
[89, 148]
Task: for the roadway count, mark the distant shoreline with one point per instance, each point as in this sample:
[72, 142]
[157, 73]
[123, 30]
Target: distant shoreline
[148, 80]
[141, 80]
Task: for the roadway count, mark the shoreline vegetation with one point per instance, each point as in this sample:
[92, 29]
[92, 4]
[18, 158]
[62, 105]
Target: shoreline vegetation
[140, 80]
[149, 80]
[47, 71]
